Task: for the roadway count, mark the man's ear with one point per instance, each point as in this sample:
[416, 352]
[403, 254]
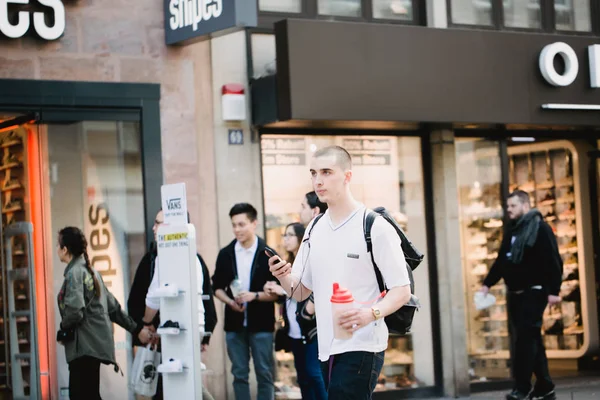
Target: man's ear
[316, 211]
[348, 176]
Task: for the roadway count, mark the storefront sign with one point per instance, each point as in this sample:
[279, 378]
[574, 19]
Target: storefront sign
[548, 70]
[283, 144]
[370, 159]
[174, 203]
[321, 57]
[106, 256]
[367, 144]
[190, 20]
[296, 159]
[14, 28]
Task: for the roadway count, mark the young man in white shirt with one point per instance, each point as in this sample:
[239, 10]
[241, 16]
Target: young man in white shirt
[241, 272]
[336, 252]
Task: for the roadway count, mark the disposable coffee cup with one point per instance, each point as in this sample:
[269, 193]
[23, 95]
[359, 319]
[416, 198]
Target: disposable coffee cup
[236, 287]
[341, 301]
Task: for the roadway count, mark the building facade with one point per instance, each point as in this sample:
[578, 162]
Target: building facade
[445, 105]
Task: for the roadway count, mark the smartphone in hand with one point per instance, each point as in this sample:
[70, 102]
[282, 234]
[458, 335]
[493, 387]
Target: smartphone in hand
[271, 253]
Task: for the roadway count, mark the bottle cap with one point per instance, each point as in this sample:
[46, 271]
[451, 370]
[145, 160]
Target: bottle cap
[341, 295]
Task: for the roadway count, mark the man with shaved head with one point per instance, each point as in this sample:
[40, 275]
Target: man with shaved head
[334, 251]
[531, 266]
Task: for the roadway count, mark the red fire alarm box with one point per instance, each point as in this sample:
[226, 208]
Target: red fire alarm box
[233, 102]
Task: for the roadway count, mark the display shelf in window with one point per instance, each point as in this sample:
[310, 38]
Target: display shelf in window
[569, 329]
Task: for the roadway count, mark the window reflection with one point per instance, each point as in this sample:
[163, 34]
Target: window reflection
[393, 9]
[341, 8]
[471, 12]
[285, 6]
[522, 14]
[573, 15]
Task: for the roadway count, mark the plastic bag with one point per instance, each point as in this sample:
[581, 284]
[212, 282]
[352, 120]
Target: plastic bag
[144, 377]
[483, 301]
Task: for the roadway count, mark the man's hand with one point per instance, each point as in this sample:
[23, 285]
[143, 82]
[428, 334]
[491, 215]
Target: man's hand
[245, 297]
[279, 268]
[310, 308]
[145, 335]
[236, 307]
[552, 300]
[353, 320]
[485, 290]
[272, 288]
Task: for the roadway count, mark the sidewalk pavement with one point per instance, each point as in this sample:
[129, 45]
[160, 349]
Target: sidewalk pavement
[571, 389]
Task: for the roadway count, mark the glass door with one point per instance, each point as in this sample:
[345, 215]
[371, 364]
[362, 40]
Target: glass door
[479, 177]
[86, 174]
[90, 175]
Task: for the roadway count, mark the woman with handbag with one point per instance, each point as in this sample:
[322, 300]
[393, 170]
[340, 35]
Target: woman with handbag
[87, 310]
[300, 327]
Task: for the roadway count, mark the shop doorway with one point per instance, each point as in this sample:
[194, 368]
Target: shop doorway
[84, 173]
[555, 173]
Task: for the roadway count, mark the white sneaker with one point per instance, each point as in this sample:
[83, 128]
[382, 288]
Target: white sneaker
[169, 367]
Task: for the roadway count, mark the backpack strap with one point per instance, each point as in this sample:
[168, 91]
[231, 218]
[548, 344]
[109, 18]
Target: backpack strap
[368, 221]
[317, 218]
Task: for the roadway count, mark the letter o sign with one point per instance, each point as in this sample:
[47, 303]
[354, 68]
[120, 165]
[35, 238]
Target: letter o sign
[547, 64]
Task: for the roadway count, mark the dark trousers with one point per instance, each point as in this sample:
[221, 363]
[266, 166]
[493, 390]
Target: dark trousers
[353, 375]
[529, 354]
[308, 368]
[84, 379]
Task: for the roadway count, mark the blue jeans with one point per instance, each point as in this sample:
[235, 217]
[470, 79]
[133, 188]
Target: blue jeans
[239, 346]
[353, 375]
[308, 368]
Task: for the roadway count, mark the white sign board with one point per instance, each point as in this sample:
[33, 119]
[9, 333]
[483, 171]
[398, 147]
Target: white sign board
[174, 204]
[179, 292]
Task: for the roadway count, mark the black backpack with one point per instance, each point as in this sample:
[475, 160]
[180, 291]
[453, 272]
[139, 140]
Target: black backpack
[400, 321]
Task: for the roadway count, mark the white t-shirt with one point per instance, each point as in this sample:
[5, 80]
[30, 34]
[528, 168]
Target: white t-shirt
[243, 261]
[339, 254]
[291, 306]
[154, 303]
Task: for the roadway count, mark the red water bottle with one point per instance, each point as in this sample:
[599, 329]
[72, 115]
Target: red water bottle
[341, 301]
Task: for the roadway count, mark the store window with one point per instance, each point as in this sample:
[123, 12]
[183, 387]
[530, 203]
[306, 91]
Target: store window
[387, 172]
[546, 172]
[553, 174]
[284, 6]
[393, 9]
[573, 15]
[481, 211]
[550, 16]
[522, 14]
[471, 12]
[92, 178]
[340, 8]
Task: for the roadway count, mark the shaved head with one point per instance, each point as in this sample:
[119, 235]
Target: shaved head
[342, 157]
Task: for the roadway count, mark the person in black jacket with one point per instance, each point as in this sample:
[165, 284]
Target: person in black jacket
[241, 272]
[531, 266]
[136, 303]
[300, 327]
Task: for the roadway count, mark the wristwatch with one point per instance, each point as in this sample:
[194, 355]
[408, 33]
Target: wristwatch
[147, 323]
[257, 296]
[376, 313]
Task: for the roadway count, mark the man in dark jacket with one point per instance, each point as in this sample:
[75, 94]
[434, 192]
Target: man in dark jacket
[241, 272]
[136, 303]
[531, 266]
